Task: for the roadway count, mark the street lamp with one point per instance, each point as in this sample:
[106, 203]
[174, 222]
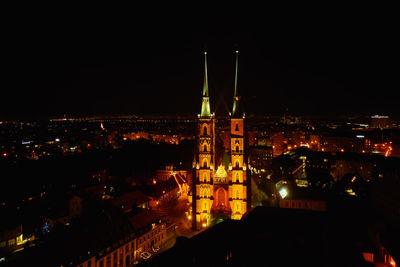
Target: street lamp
[283, 192]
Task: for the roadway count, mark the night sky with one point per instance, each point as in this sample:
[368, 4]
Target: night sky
[107, 63]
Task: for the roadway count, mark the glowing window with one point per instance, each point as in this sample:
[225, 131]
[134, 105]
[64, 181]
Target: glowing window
[205, 163]
[11, 242]
[237, 177]
[237, 164]
[237, 127]
[205, 177]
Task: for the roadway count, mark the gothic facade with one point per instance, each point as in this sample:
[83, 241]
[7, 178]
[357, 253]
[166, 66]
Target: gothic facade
[219, 191]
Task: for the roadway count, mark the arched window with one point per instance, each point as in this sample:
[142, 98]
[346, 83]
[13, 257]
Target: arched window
[205, 130]
[205, 177]
[205, 163]
[237, 164]
[237, 127]
[237, 193]
[205, 205]
[205, 148]
[237, 177]
[237, 149]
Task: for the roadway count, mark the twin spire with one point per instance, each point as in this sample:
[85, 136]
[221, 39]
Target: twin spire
[205, 106]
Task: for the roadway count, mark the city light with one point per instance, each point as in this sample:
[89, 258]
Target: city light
[283, 192]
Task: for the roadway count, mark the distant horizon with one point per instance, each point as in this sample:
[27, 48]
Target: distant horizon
[194, 116]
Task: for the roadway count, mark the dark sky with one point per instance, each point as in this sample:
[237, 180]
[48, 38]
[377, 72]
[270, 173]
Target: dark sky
[143, 62]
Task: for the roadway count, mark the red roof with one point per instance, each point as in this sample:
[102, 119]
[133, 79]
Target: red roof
[143, 218]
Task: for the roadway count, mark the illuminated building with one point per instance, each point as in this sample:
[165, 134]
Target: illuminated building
[11, 238]
[381, 122]
[222, 191]
[277, 143]
[333, 143]
[315, 142]
[152, 231]
[260, 158]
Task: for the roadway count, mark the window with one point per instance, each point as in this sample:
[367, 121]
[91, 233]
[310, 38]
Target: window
[11, 242]
[205, 177]
[237, 149]
[237, 164]
[205, 205]
[205, 130]
[205, 148]
[237, 177]
[237, 127]
[237, 194]
[205, 163]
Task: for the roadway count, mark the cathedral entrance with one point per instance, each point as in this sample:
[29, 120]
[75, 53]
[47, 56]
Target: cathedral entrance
[221, 198]
[221, 207]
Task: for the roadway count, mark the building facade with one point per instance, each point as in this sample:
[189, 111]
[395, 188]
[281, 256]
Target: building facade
[219, 191]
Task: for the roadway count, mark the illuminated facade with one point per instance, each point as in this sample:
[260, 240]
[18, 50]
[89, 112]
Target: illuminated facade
[219, 191]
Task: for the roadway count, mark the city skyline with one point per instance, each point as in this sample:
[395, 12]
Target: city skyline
[199, 137]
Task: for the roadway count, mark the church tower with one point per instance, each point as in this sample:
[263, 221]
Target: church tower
[203, 183]
[238, 168]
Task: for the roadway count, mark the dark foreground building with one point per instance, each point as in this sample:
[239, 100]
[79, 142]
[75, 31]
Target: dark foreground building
[273, 237]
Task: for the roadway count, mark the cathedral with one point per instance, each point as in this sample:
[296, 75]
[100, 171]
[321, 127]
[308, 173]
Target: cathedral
[219, 191]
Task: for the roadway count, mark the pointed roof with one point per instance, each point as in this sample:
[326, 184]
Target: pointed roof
[205, 84]
[205, 105]
[236, 111]
[221, 172]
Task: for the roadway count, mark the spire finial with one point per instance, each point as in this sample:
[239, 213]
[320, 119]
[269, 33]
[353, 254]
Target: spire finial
[205, 106]
[205, 84]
